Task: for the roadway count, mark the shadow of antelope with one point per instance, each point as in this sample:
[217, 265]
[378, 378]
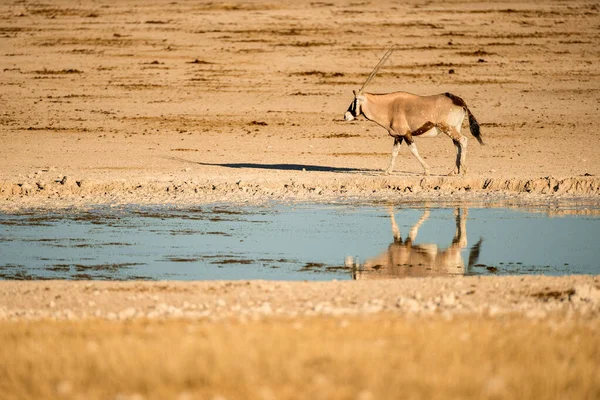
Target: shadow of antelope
[404, 258]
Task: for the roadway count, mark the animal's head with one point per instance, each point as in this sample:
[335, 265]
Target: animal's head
[355, 108]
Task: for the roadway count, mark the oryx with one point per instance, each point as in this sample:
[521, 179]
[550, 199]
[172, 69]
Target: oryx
[405, 258]
[406, 115]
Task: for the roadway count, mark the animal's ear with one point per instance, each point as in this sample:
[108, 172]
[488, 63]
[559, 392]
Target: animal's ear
[354, 91]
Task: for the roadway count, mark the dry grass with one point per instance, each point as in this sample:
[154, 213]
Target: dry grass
[318, 358]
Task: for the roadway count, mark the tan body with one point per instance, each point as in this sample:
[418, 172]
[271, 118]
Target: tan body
[406, 259]
[406, 116]
[402, 114]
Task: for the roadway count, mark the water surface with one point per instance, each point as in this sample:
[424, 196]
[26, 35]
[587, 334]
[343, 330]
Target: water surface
[299, 242]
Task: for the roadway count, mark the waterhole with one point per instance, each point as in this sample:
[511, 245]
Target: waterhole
[299, 242]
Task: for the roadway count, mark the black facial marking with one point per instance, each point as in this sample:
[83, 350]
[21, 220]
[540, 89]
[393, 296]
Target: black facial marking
[353, 107]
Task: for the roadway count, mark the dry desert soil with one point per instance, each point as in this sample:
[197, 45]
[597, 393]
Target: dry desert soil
[195, 102]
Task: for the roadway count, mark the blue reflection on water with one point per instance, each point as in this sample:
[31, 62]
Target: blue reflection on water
[299, 242]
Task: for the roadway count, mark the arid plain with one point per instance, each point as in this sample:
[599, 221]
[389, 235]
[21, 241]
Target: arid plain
[186, 103]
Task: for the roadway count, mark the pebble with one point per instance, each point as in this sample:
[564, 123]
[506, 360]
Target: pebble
[587, 293]
[26, 188]
[68, 181]
[255, 301]
[410, 305]
[449, 300]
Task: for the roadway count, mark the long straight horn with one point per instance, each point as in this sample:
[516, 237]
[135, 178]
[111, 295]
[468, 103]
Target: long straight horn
[377, 67]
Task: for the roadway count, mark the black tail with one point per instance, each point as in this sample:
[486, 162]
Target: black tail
[473, 124]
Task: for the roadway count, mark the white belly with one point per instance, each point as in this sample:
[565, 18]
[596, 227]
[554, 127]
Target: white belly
[433, 132]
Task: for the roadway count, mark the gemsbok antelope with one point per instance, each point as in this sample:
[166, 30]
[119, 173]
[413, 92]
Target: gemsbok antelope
[405, 258]
[406, 116]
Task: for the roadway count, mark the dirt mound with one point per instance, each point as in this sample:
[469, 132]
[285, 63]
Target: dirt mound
[304, 188]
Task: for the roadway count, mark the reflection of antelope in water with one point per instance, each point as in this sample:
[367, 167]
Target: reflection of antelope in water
[406, 259]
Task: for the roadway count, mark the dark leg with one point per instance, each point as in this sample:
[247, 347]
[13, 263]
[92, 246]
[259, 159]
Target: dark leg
[460, 142]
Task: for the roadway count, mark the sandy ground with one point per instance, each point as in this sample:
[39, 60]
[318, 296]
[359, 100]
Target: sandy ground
[528, 296]
[243, 101]
[200, 102]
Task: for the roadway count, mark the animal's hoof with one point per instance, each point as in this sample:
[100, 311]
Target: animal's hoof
[453, 173]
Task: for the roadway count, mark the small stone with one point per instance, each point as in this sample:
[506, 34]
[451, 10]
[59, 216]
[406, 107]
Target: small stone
[26, 188]
[410, 305]
[587, 293]
[68, 181]
[449, 300]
